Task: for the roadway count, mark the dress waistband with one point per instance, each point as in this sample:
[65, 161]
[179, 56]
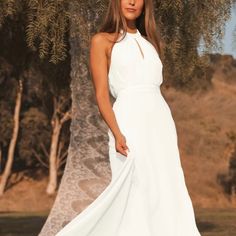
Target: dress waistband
[140, 88]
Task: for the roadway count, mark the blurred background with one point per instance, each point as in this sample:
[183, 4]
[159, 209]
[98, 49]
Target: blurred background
[49, 119]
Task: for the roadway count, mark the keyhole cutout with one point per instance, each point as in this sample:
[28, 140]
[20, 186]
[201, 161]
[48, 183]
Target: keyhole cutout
[140, 48]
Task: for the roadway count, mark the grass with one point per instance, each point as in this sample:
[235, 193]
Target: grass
[21, 224]
[216, 222]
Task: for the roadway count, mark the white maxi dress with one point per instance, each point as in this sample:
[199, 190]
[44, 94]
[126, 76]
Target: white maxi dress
[147, 195]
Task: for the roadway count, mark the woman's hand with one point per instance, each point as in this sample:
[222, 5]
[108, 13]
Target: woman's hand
[121, 146]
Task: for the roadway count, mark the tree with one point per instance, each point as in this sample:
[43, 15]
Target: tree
[87, 171]
[183, 24]
[5, 108]
[51, 89]
[57, 94]
[56, 158]
[10, 158]
[16, 74]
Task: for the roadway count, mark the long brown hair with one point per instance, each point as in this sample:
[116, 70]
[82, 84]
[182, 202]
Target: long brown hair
[115, 21]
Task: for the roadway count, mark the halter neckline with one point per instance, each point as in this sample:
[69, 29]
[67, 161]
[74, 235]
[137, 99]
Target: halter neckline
[134, 35]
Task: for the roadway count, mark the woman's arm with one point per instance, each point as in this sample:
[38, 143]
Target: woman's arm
[99, 72]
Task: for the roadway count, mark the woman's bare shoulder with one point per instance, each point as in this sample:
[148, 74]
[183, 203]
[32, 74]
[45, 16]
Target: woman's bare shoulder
[103, 41]
[103, 38]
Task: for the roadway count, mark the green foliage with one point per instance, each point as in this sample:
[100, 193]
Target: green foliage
[7, 90]
[35, 130]
[184, 25]
[47, 26]
[228, 179]
[6, 123]
[7, 9]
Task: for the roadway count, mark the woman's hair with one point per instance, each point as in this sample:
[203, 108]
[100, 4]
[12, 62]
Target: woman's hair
[145, 23]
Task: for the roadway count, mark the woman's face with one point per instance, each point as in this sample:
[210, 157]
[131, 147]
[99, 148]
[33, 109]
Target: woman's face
[131, 9]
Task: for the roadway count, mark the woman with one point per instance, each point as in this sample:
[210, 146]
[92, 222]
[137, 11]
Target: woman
[147, 195]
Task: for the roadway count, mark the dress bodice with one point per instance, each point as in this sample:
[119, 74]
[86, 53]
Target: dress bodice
[134, 61]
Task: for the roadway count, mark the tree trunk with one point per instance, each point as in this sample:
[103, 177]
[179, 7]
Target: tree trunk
[11, 150]
[0, 158]
[52, 183]
[87, 170]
